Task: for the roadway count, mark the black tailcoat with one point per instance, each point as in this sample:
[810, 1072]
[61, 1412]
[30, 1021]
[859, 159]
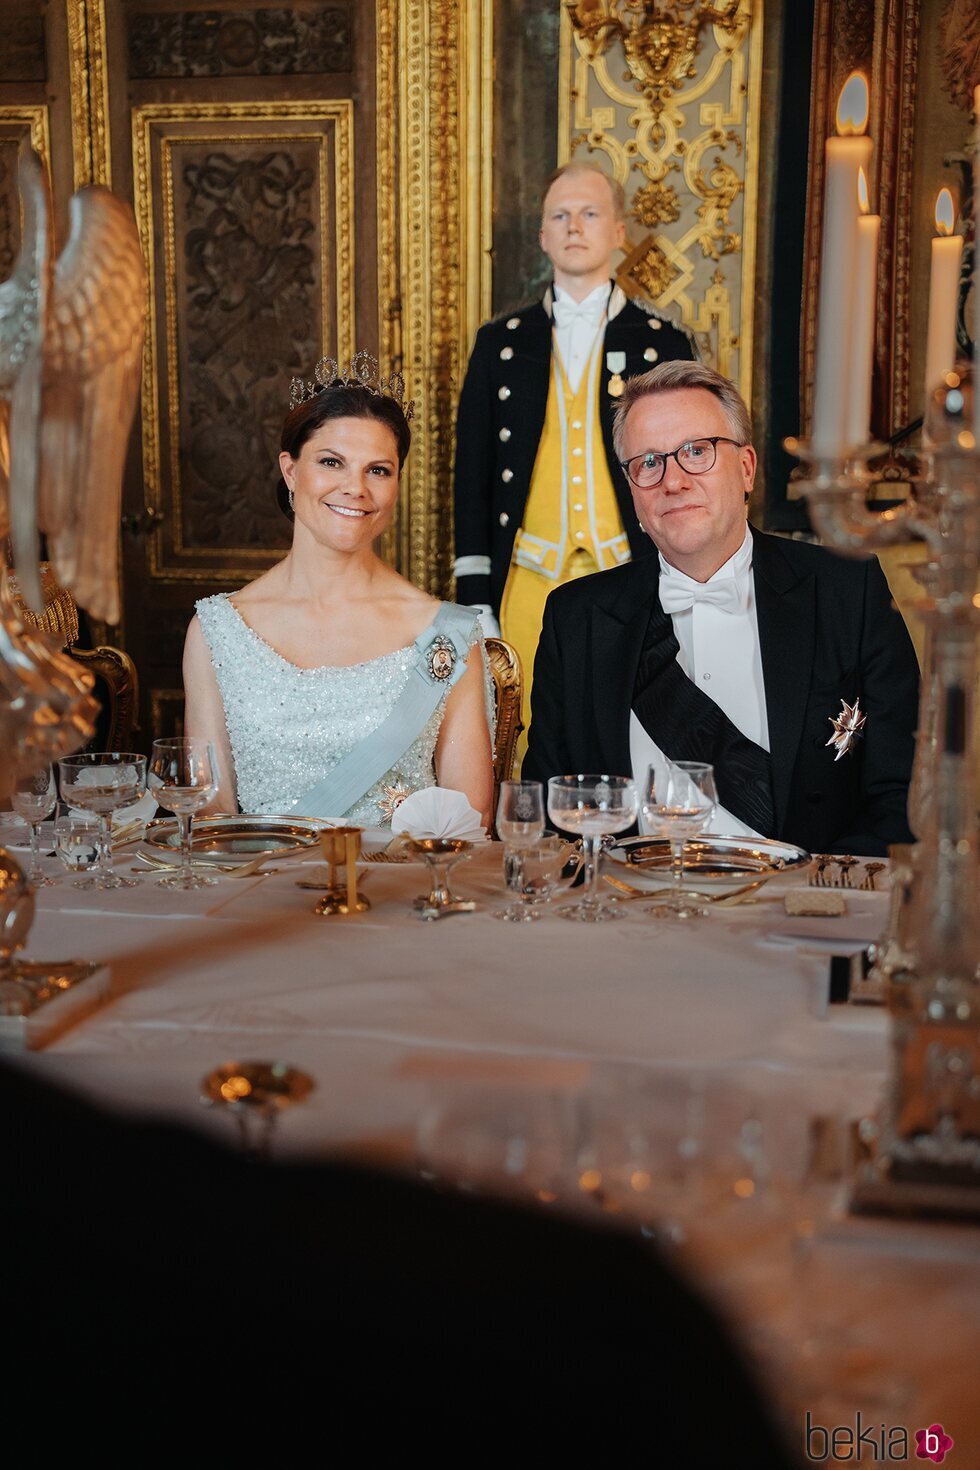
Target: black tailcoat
[505, 393]
[828, 632]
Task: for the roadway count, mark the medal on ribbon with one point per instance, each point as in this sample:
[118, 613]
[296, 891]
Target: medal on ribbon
[615, 363]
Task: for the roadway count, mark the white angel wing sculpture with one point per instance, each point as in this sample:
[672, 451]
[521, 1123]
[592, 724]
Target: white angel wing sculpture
[71, 335]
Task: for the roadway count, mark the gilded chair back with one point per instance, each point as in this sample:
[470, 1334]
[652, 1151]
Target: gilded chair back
[508, 681]
[112, 668]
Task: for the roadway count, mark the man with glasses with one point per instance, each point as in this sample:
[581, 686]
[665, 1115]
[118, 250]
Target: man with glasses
[784, 665]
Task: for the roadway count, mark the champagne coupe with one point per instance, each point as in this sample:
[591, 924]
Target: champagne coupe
[103, 782]
[33, 798]
[592, 807]
[183, 777]
[76, 841]
[678, 801]
[520, 813]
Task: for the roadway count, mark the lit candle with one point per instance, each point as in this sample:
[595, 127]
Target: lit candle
[865, 294]
[837, 370]
[944, 288]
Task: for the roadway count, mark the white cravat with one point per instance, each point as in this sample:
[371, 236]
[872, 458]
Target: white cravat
[717, 631]
[576, 324]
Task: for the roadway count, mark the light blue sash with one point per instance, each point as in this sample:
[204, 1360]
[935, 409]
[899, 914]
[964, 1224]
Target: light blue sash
[440, 660]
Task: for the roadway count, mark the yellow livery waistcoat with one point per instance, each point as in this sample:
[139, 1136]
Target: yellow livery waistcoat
[571, 504]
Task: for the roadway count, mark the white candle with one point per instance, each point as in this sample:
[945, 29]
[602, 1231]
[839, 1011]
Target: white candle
[865, 295]
[944, 286]
[836, 369]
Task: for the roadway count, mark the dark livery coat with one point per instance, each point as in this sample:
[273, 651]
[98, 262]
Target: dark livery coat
[501, 415]
[828, 632]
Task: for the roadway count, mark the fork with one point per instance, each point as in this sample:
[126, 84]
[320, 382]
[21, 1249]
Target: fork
[846, 864]
[721, 900]
[818, 879]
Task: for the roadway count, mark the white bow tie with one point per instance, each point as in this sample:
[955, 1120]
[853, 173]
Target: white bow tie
[568, 312]
[677, 596]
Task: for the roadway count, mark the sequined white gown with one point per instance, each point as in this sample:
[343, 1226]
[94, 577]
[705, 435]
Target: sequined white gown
[288, 726]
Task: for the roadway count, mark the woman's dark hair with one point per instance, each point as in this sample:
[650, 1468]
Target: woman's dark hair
[339, 403]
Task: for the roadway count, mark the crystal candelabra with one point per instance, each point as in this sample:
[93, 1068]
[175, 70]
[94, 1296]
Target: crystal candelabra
[923, 1151]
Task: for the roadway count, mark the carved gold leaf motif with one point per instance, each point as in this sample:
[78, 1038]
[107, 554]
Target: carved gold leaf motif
[665, 96]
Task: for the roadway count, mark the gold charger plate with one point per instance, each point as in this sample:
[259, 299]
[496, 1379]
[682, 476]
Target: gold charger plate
[709, 862]
[238, 839]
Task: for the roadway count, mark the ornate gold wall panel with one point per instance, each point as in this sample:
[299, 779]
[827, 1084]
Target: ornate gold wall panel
[672, 110]
[443, 123]
[252, 204]
[16, 123]
[87, 85]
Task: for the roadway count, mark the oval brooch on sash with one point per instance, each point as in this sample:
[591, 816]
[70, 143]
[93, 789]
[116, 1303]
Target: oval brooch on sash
[440, 659]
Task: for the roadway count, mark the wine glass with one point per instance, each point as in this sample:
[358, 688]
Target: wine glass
[532, 872]
[33, 798]
[183, 777]
[76, 841]
[103, 782]
[678, 800]
[520, 812]
[592, 807]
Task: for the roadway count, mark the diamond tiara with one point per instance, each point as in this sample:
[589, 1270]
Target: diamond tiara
[361, 372]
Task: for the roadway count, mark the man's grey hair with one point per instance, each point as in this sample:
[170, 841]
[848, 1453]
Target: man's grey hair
[581, 167]
[668, 377]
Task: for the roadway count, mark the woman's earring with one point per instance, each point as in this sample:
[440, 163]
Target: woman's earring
[291, 498]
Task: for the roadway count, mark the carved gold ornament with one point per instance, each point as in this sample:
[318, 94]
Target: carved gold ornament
[660, 41]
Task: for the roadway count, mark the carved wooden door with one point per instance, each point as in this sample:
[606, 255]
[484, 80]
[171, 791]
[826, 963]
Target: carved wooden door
[298, 169]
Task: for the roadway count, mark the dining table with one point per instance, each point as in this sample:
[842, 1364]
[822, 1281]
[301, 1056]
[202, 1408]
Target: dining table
[700, 1082]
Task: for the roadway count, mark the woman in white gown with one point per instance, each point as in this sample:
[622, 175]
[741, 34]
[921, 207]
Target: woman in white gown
[331, 686]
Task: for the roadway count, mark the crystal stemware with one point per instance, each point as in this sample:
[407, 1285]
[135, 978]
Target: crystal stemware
[533, 873]
[592, 807]
[103, 782]
[678, 800]
[520, 812]
[183, 777]
[33, 798]
[76, 841]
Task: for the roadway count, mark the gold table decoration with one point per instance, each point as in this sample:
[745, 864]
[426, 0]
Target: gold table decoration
[255, 1093]
[342, 846]
[440, 854]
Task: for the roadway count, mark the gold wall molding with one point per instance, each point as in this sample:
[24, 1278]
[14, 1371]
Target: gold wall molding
[88, 92]
[166, 125]
[444, 163]
[35, 119]
[678, 123]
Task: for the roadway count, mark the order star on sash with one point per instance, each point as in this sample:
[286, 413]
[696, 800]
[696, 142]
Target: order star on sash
[848, 727]
[391, 799]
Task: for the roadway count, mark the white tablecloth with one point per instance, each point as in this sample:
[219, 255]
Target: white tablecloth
[392, 1016]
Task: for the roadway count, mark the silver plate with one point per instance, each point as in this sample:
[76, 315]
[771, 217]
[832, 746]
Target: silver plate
[709, 862]
[227, 839]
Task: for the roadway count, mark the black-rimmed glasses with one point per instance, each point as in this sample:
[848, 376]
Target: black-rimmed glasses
[696, 457]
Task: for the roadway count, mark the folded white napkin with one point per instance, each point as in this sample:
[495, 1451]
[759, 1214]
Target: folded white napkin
[437, 812]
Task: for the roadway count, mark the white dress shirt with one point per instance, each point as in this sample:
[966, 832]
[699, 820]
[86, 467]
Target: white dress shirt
[576, 325]
[719, 651]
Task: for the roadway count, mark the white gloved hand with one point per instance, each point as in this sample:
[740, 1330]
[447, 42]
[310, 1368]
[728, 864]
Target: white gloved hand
[491, 628]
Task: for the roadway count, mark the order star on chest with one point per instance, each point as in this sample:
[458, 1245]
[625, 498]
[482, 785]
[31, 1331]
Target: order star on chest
[848, 727]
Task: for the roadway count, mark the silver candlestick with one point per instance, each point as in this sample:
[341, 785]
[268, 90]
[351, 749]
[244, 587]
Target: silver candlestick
[923, 1151]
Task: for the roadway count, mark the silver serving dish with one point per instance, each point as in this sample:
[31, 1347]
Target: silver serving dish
[709, 861]
[231, 839]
